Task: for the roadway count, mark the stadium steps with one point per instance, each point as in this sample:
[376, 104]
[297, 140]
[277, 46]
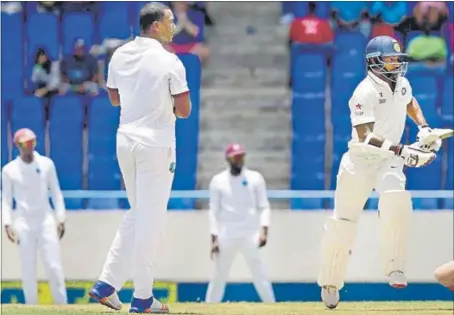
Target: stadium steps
[244, 93]
[259, 119]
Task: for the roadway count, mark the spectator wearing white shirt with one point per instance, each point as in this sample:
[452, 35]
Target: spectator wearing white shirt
[28, 180]
[149, 84]
[239, 217]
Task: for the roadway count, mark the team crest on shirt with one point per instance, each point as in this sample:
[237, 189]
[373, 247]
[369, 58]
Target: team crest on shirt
[404, 91]
[172, 167]
[359, 110]
[396, 47]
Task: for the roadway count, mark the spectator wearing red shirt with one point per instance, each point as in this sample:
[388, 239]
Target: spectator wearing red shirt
[311, 29]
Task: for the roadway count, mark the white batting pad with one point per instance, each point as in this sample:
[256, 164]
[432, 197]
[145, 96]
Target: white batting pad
[395, 214]
[336, 245]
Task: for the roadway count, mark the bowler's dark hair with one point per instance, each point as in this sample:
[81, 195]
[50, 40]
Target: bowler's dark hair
[150, 13]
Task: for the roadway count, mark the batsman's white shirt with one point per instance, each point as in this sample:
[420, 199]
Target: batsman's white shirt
[143, 72]
[374, 101]
[238, 203]
[29, 185]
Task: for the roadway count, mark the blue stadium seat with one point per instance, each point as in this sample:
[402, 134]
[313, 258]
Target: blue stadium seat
[77, 25]
[42, 32]
[425, 90]
[314, 109]
[12, 58]
[114, 20]
[103, 170]
[425, 178]
[66, 143]
[347, 73]
[449, 185]
[342, 131]
[5, 135]
[28, 112]
[352, 43]
[447, 107]
[308, 169]
[309, 75]
[187, 134]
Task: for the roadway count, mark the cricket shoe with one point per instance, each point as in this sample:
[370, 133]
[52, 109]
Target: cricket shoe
[330, 296]
[150, 305]
[397, 280]
[106, 295]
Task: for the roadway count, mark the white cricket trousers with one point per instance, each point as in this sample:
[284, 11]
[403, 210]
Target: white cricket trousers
[148, 176]
[40, 236]
[356, 180]
[228, 248]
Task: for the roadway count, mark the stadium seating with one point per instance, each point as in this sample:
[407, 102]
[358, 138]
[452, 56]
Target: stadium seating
[66, 143]
[12, 58]
[103, 169]
[447, 105]
[114, 20]
[5, 148]
[28, 112]
[77, 25]
[42, 32]
[309, 75]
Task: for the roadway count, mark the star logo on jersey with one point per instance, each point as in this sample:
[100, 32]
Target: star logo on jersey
[358, 110]
[172, 167]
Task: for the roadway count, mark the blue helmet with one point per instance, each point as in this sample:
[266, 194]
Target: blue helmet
[386, 46]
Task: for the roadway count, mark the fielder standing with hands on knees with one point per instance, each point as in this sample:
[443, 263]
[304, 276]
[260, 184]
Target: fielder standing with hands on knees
[149, 84]
[239, 218]
[28, 180]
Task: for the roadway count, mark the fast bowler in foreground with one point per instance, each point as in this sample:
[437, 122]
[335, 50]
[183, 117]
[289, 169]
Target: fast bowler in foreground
[374, 161]
[150, 84]
[28, 179]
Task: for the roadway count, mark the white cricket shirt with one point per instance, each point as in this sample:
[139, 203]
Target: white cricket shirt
[374, 101]
[238, 204]
[147, 76]
[29, 186]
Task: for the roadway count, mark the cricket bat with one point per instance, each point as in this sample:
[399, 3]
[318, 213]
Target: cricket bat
[438, 134]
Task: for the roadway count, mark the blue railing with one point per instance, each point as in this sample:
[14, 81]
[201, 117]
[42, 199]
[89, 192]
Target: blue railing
[272, 194]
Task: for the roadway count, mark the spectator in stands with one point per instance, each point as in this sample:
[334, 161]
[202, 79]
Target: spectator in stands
[386, 15]
[49, 6]
[79, 71]
[45, 75]
[311, 29]
[79, 6]
[430, 15]
[428, 48]
[104, 53]
[186, 32]
[202, 6]
[351, 16]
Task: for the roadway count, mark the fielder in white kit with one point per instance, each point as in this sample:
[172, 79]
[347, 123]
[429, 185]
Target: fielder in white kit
[150, 84]
[239, 220]
[28, 180]
[375, 160]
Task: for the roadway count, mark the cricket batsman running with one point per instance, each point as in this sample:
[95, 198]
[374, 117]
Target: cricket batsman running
[150, 84]
[375, 160]
[28, 179]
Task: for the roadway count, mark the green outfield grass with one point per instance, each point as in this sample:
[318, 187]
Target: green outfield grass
[378, 308]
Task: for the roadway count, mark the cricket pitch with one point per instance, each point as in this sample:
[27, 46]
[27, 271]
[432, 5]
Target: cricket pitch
[344, 308]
